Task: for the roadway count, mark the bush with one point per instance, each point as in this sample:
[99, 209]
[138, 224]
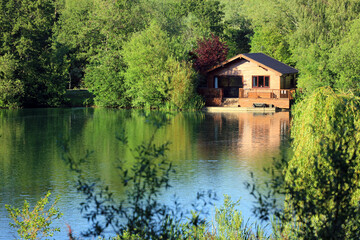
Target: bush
[183, 85]
[34, 224]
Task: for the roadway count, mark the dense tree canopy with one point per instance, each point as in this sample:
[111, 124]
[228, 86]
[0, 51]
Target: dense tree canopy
[322, 178]
[309, 35]
[31, 69]
[47, 46]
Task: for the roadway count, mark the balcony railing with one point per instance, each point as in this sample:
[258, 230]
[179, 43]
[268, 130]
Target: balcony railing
[266, 93]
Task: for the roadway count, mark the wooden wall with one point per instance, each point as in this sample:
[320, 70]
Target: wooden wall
[277, 102]
[247, 70]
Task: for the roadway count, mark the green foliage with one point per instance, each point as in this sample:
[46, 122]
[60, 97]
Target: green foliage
[66, 43]
[207, 15]
[153, 76]
[35, 224]
[10, 93]
[229, 223]
[315, 36]
[26, 49]
[322, 179]
[183, 86]
[79, 98]
[272, 23]
[237, 35]
[90, 29]
[146, 55]
[11, 89]
[104, 78]
[271, 41]
[320, 27]
[345, 60]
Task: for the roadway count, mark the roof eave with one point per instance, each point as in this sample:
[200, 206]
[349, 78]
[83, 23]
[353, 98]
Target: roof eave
[249, 59]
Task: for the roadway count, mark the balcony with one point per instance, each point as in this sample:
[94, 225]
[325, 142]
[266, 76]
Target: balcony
[266, 93]
[279, 98]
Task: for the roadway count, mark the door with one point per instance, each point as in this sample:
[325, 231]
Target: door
[231, 85]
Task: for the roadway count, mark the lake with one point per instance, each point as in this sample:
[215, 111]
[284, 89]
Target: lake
[210, 151]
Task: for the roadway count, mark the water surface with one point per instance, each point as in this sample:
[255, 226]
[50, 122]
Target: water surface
[214, 151]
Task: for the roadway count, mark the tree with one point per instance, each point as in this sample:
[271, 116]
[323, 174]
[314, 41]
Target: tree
[104, 78]
[271, 41]
[76, 32]
[322, 178]
[237, 27]
[183, 85]
[272, 24]
[26, 40]
[320, 26]
[345, 61]
[89, 29]
[205, 15]
[146, 55]
[209, 52]
[11, 89]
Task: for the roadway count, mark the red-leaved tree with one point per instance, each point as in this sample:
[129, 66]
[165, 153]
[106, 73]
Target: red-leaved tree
[209, 52]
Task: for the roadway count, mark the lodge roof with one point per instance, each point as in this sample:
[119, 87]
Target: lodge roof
[263, 60]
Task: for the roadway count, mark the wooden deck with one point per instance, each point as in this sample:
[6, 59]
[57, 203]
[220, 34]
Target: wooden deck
[279, 98]
[239, 109]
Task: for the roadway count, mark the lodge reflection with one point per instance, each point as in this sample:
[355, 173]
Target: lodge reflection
[245, 135]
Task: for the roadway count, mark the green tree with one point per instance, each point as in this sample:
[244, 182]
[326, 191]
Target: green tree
[201, 19]
[209, 15]
[183, 85]
[89, 29]
[25, 39]
[273, 23]
[35, 224]
[145, 55]
[320, 26]
[345, 61]
[11, 89]
[271, 41]
[322, 178]
[237, 27]
[104, 78]
[75, 32]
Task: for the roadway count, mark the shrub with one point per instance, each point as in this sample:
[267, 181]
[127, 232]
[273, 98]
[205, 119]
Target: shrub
[34, 224]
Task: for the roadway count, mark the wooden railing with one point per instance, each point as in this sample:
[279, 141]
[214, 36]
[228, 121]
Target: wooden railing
[266, 93]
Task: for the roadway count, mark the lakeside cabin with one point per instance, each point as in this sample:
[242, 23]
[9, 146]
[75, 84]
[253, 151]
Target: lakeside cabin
[248, 80]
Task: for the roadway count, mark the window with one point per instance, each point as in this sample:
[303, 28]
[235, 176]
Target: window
[231, 85]
[261, 81]
[230, 81]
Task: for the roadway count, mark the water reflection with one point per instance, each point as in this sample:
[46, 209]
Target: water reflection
[247, 136]
[210, 151]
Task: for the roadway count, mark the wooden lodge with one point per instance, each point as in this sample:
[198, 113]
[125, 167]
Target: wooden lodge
[250, 80]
